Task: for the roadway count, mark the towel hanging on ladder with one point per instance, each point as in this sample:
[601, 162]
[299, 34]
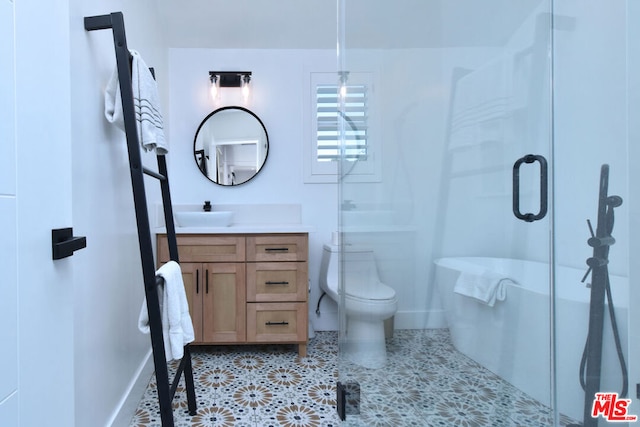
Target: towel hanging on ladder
[177, 327]
[146, 104]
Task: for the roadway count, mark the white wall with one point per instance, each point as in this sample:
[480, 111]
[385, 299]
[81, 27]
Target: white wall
[591, 120]
[279, 80]
[109, 349]
[43, 197]
[9, 413]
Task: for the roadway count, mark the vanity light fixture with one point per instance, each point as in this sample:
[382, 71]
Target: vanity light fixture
[220, 79]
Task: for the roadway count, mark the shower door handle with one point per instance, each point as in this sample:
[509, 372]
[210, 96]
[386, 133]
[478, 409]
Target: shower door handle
[530, 217]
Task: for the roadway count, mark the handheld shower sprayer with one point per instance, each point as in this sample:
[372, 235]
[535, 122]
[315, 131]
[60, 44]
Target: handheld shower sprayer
[601, 241]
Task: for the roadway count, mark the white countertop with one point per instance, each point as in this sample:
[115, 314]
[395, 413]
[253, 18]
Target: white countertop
[243, 229]
[247, 219]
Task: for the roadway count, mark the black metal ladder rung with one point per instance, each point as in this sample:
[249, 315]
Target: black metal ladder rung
[166, 391]
[153, 174]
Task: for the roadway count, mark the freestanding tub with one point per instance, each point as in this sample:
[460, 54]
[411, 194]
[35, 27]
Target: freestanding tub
[512, 338]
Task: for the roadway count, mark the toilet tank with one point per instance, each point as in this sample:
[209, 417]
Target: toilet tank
[358, 261]
[359, 264]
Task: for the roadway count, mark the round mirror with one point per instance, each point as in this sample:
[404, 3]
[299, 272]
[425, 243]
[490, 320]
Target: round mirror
[231, 146]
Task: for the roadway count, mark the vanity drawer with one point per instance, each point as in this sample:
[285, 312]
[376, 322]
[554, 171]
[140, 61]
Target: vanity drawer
[204, 248]
[277, 322]
[277, 247]
[276, 281]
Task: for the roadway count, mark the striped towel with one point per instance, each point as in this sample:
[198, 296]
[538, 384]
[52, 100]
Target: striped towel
[146, 105]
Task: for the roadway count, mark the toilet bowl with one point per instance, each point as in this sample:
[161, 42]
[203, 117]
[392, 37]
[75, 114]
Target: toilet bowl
[367, 302]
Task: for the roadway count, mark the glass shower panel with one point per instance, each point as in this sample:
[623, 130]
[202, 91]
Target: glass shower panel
[445, 311]
[595, 100]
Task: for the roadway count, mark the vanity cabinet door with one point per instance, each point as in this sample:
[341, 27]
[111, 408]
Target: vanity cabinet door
[192, 276]
[223, 303]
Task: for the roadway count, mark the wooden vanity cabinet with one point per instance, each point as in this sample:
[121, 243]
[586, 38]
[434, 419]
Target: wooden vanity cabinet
[245, 288]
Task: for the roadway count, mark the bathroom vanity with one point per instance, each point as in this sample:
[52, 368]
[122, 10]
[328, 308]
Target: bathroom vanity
[245, 287]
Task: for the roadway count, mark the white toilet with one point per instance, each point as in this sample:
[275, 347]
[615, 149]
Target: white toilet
[367, 302]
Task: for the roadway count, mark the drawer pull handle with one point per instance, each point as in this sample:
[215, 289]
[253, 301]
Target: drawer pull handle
[276, 283]
[276, 249]
[276, 323]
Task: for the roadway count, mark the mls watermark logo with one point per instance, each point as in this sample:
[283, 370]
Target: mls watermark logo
[611, 408]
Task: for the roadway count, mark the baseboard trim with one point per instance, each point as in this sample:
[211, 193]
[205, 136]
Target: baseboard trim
[432, 319]
[425, 319]
[127, 406]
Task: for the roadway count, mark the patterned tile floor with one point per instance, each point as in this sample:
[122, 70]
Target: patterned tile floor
[426, 383]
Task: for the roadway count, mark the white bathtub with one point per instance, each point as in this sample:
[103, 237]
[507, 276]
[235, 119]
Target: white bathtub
[512, 338]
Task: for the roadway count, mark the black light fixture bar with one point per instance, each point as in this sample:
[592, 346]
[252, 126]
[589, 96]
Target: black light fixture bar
[230, 78]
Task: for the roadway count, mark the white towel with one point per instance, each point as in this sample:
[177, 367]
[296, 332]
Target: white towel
[177, 328]
[146, 105]
[485, 286]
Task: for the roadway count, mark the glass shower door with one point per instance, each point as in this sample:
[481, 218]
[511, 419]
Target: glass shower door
[457, 114]
[595, 142]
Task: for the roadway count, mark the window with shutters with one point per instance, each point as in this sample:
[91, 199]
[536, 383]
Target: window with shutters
[332, 121]
[340, 140]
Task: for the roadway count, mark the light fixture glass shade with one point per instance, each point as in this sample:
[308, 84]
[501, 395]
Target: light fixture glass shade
[245, 88]
[214, 87]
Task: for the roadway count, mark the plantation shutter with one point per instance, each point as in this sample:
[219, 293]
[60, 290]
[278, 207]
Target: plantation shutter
[329, 121]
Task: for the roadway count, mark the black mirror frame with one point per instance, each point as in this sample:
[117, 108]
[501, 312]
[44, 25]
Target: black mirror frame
[230, 107]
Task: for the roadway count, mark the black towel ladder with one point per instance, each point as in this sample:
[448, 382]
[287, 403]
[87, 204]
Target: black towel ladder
[166, 392]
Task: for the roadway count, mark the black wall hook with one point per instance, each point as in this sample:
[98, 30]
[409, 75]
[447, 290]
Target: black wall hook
[64, 243]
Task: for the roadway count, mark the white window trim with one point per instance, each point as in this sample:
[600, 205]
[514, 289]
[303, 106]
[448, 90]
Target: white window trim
[327, 172]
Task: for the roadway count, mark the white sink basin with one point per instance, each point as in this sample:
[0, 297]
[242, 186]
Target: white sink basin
[203, 219]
